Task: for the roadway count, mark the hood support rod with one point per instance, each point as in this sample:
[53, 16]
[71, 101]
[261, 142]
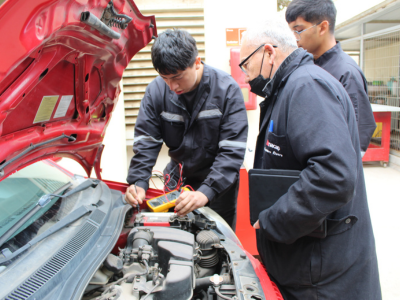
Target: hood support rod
[90, 19]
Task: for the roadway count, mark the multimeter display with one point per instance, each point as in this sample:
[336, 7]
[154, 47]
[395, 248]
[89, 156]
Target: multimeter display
[161, 204]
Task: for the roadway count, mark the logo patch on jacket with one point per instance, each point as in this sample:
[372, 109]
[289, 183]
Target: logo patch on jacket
[274, 149]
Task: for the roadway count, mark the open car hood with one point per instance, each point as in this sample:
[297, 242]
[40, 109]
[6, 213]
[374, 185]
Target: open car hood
[60, 68]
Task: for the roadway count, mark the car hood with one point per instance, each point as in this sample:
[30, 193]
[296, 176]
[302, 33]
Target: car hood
[60, 68]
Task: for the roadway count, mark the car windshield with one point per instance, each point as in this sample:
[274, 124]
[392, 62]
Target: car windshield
[20, 192]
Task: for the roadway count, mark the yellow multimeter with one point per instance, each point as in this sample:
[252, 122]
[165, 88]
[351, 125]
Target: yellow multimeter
[161, 204]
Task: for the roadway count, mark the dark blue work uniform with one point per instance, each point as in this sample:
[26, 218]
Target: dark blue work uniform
[210, 140]
[344, 68]
[315, 131]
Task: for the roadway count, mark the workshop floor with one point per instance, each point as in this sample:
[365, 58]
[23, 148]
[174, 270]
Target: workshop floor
[383, 189]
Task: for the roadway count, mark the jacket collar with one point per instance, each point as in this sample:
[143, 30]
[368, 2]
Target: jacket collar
[291, 63]
[206, 75]
[202, 93]
[324, 58]
[201, 96]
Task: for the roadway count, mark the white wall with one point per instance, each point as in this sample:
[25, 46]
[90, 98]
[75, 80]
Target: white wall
[162, 160]
[222, 14]
[348, 9]
[113, 160]
[157, 4]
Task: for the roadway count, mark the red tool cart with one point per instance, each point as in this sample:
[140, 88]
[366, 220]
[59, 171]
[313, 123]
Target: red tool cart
[382, 114]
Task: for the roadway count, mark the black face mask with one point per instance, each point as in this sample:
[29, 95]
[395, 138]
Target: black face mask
[258, 84]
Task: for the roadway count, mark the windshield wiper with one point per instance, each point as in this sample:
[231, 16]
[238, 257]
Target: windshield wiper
[71, 217]
[43, 201]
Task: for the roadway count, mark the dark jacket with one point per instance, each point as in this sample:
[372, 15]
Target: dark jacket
[210, 143]
[344, 68]
[315, 131]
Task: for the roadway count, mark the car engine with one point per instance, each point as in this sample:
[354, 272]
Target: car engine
[168, 257]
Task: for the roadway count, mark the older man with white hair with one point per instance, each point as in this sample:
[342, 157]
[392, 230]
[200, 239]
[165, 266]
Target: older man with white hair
[307, 123]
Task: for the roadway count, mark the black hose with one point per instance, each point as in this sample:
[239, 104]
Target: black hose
[137, 239]
[216, 288]
[205, 282]
[202, 283]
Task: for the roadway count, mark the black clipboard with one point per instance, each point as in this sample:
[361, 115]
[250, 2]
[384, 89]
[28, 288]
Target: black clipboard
[267, 186]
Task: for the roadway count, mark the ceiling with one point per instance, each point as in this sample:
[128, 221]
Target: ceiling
[383, 17]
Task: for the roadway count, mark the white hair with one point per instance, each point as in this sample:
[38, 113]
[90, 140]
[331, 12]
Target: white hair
[273, 31]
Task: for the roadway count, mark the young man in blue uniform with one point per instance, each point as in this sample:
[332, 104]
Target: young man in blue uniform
[313, 23]
[314, 131]
[199, 113]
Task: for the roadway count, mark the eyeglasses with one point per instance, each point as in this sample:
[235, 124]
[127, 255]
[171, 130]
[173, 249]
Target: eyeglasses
[243, 65]
[297, 33]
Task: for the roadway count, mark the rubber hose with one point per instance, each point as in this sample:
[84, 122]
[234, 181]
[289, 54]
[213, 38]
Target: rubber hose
[216, 288]
[204, 282]
[131, 277]
[137, 239]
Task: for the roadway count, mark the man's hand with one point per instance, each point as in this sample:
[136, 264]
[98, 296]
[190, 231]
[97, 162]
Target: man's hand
[256, 225]
[134, 198]
[189, 201]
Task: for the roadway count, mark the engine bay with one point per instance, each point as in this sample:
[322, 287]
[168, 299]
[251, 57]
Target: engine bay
[169, 257]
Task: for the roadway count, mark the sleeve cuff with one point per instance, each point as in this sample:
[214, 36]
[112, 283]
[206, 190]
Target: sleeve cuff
[209, 192]
[143, 184]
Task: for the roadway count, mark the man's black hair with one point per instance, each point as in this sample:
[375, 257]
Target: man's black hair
[173, 51]
[313, 11]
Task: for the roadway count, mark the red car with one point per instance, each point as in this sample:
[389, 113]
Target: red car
[63, 236]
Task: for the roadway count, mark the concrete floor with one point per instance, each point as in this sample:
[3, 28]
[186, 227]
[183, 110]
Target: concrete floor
[383, 188]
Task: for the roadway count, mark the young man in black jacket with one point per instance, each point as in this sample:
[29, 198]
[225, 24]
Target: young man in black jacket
[307, 123]
[313, 23]
[199, 113]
